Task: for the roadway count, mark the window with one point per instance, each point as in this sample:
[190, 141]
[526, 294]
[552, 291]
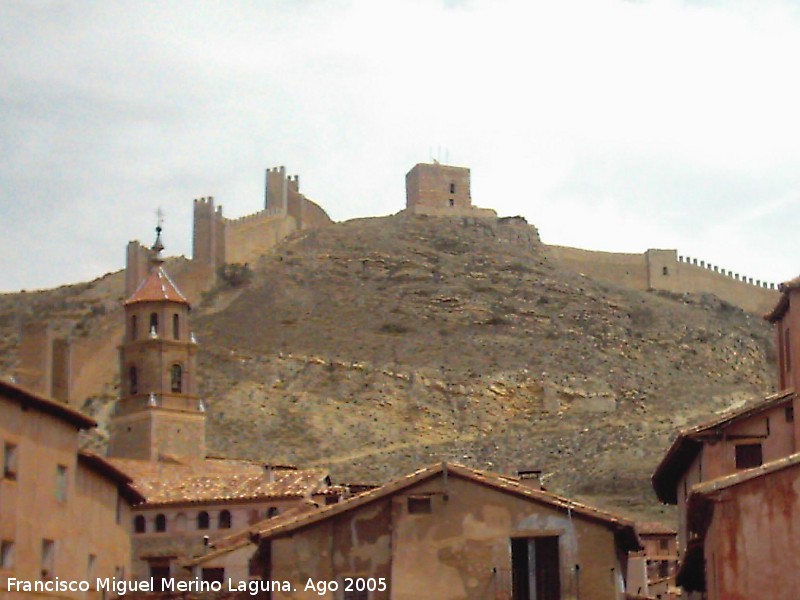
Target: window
[61, 483]
[214, 574]
[272, 511]
[663, 544]
[134, 332]
[535, 568]
[663, 568]
[48, 558]
[6, 554]
[176, 330]
[748, 456]
[225, 519]
[10, 461]
[789, 412]
[452, 202]
[419, 505]
[133, 381]
[202, 520]
[452, 188]
[176, 378]
[331, 500]
[161, 523]
[139, 524]
[664, 271]
[153, 323]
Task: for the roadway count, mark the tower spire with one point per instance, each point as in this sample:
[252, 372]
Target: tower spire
[158, 245]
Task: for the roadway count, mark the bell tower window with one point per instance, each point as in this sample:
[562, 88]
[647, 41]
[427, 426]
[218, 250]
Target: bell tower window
[176, 327]
[154, 323]
[133, 381]
[134, 333]
[176, 378]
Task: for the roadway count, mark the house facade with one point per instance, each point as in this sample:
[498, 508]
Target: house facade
[450, 532]
[64, 514]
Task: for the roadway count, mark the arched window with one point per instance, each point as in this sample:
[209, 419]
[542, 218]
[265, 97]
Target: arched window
[134, 333]
[202, 520]
[176, 330]
[161, 522]
[133, 381]
[176, 378]
[139, 524]
[154, 323]
[272, 511]
[225, 519]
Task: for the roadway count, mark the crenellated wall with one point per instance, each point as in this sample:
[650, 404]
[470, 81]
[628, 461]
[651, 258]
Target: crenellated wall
[665, 270]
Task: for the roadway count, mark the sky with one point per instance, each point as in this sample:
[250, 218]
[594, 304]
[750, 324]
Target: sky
[615, 125]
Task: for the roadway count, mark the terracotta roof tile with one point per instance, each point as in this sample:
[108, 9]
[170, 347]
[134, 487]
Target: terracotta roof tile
[157, 287]
[174, 482]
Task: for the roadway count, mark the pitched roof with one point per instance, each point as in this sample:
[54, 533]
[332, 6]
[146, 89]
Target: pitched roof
[210, 481]
[493, 480]
[28, 399]
[687, 444]
[103, 467]
[655, 528]
[783, 303]
[157, 287]
[707, 488]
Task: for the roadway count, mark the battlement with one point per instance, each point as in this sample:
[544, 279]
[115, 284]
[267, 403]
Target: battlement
[727, 273]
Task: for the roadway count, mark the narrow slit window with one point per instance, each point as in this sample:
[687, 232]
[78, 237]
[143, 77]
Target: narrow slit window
[48, 558]
[10, 461]
[176, 330]
[134, 332]
[153, 323]
[452, 188]
[61, 483]
[133, 381]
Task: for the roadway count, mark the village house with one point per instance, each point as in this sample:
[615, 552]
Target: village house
[64, 514]
[734, 480]
[158, 436]
[450, 532]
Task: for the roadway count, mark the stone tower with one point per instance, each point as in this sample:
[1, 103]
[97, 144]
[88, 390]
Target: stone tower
[158, 412]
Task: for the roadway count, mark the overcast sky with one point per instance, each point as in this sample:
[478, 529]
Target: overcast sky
[609, 124]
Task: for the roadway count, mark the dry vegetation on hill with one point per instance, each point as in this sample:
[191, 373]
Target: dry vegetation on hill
[376, 346]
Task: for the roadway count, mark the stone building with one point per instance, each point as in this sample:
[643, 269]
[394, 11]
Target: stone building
[158, 435]
[735, 483]
[64, 514]
[451, 532]
[442, 191]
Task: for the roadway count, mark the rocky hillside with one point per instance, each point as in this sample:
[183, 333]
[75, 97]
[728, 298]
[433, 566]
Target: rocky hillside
[376, 346]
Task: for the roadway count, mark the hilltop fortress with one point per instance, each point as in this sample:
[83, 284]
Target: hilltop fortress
[66, 369]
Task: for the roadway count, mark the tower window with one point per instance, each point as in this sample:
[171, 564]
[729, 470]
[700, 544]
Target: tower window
[10, 461]
[133, 381]
[6, 554]
[48, 558]
[176, 327]
[139, 524]
[202, 520]
[225, 519]
[134, 333]
[452, 202]
[664, 271]
[153, 323]
[161, 522]
[61, 483]
[452, 188]
[176, 378]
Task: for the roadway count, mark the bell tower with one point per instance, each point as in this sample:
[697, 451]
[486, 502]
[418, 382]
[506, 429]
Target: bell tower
[158, 412]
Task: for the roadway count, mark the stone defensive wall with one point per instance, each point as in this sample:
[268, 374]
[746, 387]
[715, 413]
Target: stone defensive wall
[665, 270]
[249, 237]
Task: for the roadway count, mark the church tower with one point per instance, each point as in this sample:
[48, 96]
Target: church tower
[158, 412]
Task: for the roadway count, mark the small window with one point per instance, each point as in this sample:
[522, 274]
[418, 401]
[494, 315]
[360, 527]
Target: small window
[10, 461]
[203, 520]
[331, 500]
[452, 188]
[452, 202]
[419, 505]
[663, 568]
[176, 330]
[134, 332]
[161, 523]
[664, 271]
[61, 483]
[133, 381]
[48, 558]
[748, 456]
[225, 519]
[272, 511]
[176, 378]
[139, 524]
[6, 554]
[663, 544]
[789, 412]
[153, 323]
[216, 574]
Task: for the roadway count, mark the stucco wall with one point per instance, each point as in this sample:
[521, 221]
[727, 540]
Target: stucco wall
[752, 545]
[461, 550]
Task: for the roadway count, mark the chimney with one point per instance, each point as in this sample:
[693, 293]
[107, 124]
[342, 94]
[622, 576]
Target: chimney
[531, 478]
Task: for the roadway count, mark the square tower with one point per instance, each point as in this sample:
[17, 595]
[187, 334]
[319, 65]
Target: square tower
[438, 190]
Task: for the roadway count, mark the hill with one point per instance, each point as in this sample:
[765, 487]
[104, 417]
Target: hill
[379, 345]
